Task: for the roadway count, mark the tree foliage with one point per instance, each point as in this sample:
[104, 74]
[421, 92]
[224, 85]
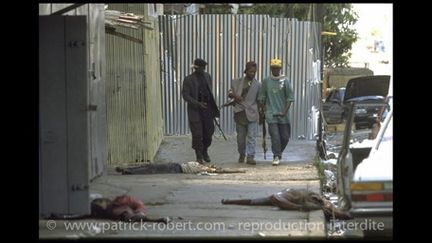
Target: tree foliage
[338, 18]
[294, 10]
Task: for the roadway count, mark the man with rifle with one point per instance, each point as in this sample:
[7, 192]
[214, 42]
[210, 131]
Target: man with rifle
[275, 98]
[202, 109]
[244, 91]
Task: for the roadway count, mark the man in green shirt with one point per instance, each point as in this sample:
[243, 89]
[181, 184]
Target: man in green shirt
[276, 96]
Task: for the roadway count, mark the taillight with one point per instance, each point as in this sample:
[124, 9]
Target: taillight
[372, 191]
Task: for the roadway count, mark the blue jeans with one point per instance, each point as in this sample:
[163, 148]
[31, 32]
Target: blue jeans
[246, 138]
[279, 134]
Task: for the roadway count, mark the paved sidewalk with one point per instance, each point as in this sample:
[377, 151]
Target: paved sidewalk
[193, 201]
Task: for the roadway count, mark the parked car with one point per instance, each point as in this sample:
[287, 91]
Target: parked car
[368, 92]
[365, 176]
[371, 188]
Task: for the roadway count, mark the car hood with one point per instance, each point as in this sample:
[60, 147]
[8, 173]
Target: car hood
[377, 85]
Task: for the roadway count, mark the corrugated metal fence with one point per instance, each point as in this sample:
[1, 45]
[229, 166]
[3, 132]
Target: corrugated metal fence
[227, 42]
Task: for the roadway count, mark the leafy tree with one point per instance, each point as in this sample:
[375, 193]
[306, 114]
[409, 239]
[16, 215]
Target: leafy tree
[338, 18]
[217, 9]
[294, 10]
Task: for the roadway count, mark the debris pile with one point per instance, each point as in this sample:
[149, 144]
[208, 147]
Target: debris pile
[114, 18]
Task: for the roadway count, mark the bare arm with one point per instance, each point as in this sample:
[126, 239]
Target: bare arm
[290, 97]
[287, 107]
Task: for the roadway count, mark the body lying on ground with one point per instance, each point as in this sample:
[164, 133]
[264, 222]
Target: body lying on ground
[122, 208]
[191, 167]
[295, 199]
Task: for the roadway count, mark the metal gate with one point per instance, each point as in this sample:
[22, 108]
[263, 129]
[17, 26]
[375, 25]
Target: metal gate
[227, 42]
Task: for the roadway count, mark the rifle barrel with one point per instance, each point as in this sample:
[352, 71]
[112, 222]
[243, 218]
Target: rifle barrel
[220, 129]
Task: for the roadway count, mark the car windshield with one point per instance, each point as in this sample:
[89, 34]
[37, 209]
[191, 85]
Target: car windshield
[337, 95]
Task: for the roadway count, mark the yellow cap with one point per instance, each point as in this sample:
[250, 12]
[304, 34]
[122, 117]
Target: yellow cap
[276, 63]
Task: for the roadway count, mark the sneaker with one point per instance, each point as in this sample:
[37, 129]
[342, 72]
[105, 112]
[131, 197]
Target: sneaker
[275, 161]
[241, 158]
[250, 160]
